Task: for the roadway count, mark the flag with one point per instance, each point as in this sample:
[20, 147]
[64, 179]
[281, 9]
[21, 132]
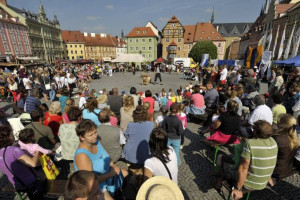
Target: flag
[288, 45]
[281, 44]
[269, 40]
[296, 42]
[275, 42]
[262, 40]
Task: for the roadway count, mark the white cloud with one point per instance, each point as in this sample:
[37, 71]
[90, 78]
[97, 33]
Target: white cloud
[92, 18]
[163, 19]
[109, 7]
[97, 28]
[208, 10]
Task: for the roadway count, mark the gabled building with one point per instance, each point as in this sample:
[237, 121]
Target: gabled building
[121, 46]
[203, 31]
[142, 40]
[172, 39]
[74, 45]
[44, 34]
[14, 42]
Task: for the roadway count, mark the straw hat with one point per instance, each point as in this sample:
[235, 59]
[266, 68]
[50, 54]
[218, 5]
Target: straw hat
[159, 187]
[102, 99]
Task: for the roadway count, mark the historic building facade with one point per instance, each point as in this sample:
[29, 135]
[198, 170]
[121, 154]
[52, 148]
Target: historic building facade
[44, 35]
[14, 42]
[172, 40]
[74, 44]
[121, 46]
[142, 40]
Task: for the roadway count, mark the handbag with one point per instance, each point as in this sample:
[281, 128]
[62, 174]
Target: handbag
[49, 167]
[114, 184]
[44, 141]
[36, 190]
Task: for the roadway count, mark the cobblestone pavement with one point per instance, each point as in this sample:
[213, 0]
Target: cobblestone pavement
[194, 177]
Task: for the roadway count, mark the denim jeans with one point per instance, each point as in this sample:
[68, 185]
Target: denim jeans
[52, 94]
[175, 143]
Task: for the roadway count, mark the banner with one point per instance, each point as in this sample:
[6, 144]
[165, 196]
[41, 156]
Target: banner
[275, 41]
[205, 57]
[288, 46]
[266, 61]
[280, 51]
[269, 40]
[296, 42]
[248, 59]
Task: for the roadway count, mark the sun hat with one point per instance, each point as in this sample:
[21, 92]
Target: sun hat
[159, 187]
[102, 99]
[75, 91]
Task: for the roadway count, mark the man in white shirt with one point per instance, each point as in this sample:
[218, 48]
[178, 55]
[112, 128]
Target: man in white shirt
[261, 112]
[27, 83]
[223, 74]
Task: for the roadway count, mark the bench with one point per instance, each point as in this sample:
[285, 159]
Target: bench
[215, 145]
[55, 188]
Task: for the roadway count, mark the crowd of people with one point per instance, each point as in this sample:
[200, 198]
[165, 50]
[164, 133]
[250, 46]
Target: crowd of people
[88, 131]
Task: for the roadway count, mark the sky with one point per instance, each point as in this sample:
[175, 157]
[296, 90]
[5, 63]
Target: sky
[111, 16]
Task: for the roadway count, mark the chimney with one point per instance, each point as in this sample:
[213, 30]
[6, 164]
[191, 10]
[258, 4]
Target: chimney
[85, 34]
[3, 2]
[218, 28]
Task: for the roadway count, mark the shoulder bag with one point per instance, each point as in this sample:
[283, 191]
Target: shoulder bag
[44, 141]
[36, 190]
[165, 167]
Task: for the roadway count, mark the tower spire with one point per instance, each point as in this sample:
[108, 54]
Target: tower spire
[122, 34]
[212, 19]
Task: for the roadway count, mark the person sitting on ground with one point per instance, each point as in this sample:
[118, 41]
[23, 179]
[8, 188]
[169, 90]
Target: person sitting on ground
[18, 166]
[150, 116]
[102, 101]
[115, 101]
[287, 141]
[294, 91]
[110, 136]
[277, 84]
[43, 134]
[52, 118]
[136, 149]
[164, 111]
[258, 160]
[248, 80]
[278, 108]
[162, 157]
[211, 96]
[232, 95]
[91, 156]
[69, 103]
[261, 112]
[173, 126]
[67, 133]
[197, 105]
[226, 130]
[148, 98]
[126, 112]
[82, 185]
[91, 111]
[32, 102]
[132, 92]
[26, 142]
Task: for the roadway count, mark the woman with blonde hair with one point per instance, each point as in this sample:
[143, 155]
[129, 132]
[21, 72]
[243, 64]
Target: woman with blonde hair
[52, 119]
[233, 95]
[287, 141]
[126, 112]
[69, 103]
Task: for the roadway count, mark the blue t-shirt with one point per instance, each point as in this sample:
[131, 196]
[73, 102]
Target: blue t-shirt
[163, 101]
[62, 100]
[91, 116]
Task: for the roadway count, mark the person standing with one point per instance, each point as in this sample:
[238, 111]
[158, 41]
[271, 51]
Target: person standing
[157, 73]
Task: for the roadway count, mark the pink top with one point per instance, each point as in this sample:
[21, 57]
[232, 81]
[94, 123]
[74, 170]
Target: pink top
[32, 148]
[151, 101]
[198, 100]
[182, 117]
[113, 121]
[169, 103]
[66, 118]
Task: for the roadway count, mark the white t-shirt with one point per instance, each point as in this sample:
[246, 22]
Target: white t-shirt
[158, 169]
[82, 101]
[223, 74]
[159, 120]
[25, 82]
[262, 112]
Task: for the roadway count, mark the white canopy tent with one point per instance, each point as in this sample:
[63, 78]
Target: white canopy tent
[130, 58]
[28, 58]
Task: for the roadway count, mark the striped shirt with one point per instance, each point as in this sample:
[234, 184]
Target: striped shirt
[262, 154]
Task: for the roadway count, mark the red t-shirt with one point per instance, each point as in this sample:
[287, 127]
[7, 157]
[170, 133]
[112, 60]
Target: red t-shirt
[53, 121]
[151, 101]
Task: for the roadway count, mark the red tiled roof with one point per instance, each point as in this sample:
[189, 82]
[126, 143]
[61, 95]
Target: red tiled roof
[8, 19]
[98, 40]
[115, 40]
[72, 36]
[207, 32]
[141, 32]
[281, 8]
[173, 19]
[189, 33]
[173, 43]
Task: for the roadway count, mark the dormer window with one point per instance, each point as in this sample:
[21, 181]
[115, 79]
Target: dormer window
[144, 32]
[200, 38]
[189, 33]
[137, 32]
[212, 32]
[208, 37]
[217, 37]
[203, 32]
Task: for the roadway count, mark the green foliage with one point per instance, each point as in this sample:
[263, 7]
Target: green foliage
[203, 47]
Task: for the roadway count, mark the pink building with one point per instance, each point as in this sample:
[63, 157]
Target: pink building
[14, 40]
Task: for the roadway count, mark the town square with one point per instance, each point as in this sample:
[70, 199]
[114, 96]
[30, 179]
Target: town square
[149, 100]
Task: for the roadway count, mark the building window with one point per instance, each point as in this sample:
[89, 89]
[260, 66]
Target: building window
[67, 52]
[179, 32]
[137, 40]
[167, 32]
[144, 48]
[80, 45]
[131, 48]
[75, 52]
[166, 48]
[190, 46]
[71, 51]
[203, 32]
[219, 45]
[150, 40]
[179, 40]
[208, 37]
[71, 46]
[72, 57]
[75, 46]
[178, 48]
[144, 55]
[66, 46]
[150, 48]
[143, 40]
[137, 48]
[150, 55]
[130, 40]
[144, 32]
[81, 52]
[137, 32]
[167, 40]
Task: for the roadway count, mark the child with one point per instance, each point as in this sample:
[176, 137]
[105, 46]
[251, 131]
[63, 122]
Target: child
[169, 102]
[163, 99]
[170, 93]
[179, 96]
[113, 119]
[164, 111]
[26, 142]
[173, 97]
[182, 117]
[174, 129]
[150, 116]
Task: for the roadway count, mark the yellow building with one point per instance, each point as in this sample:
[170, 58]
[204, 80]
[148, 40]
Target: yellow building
[74, 45]
[172, 40]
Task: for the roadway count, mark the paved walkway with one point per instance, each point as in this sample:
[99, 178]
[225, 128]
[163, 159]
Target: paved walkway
[194, 176]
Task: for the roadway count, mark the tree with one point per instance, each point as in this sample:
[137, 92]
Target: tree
[203, 47]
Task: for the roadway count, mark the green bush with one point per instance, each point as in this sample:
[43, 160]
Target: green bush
[203, 47]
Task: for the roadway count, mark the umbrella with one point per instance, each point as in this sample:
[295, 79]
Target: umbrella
[130, 58]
